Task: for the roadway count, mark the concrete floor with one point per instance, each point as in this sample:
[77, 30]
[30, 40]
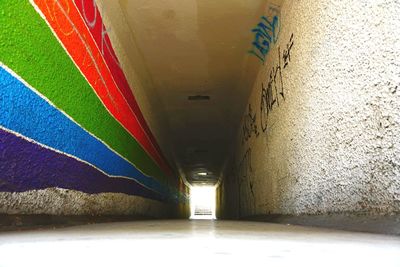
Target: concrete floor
[196, 243]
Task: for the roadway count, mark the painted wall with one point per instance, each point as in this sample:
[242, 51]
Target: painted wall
[73, 138]
[321, 130]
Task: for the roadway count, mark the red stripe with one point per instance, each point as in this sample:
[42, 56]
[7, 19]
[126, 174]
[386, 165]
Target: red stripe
[93, 21]
[67, 23]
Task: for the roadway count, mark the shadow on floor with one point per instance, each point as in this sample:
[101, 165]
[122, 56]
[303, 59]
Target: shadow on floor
[389, 225]
[9, 222]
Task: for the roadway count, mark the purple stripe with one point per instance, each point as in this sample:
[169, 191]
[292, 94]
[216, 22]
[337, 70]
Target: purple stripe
[26, 166]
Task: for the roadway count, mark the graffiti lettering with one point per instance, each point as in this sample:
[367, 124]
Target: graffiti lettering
[249, 126]
[271, 93]
[274, 90]
[244, 166]
[245, 177]
[91, 13]
[265, 33]
[90, 23]
[60, 12]
[286, 52]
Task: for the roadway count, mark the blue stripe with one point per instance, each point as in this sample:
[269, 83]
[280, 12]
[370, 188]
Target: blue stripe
[25, 112]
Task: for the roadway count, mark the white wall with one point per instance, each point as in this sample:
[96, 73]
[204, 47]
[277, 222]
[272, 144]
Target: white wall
[333, 142]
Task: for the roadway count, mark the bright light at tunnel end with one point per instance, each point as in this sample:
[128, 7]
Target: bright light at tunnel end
[203, 202]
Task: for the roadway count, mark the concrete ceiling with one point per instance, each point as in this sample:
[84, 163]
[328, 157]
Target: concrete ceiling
[191, 48]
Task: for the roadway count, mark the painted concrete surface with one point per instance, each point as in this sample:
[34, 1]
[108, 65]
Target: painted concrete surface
[196, 243]
[320, 133]
[69, 121]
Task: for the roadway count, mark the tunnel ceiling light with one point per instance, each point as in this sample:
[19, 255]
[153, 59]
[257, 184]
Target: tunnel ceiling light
[198, 97]
[202, 173]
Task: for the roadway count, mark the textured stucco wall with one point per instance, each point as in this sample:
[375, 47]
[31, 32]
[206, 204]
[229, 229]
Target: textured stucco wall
[50, 201]
[73, 138]
[325, 138]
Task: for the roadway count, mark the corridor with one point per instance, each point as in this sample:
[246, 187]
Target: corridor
[200, 131]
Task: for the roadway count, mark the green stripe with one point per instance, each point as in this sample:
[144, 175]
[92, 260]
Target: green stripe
[28, 46]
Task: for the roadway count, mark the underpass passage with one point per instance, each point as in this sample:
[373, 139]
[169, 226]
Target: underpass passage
[117, 110]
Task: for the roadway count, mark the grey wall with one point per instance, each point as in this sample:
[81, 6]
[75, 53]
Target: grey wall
[328, 141]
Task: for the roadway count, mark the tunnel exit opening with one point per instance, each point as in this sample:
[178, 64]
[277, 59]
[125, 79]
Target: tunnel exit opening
[202, 202]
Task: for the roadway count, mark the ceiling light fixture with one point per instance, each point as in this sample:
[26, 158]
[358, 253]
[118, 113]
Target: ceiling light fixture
[198, 97]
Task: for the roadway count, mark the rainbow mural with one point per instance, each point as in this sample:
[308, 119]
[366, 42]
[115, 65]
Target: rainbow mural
[68, 118]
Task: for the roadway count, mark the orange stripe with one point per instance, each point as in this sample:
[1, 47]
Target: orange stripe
[91, 15]
[66, 22]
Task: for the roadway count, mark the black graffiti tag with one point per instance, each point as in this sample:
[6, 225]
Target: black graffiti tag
[249, 127]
